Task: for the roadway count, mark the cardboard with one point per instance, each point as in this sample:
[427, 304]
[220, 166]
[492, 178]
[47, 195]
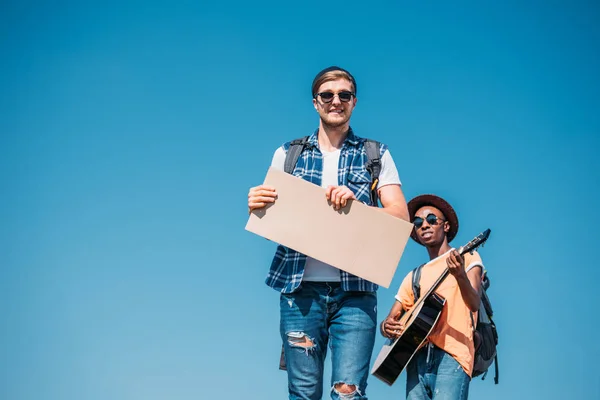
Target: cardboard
[358, 239]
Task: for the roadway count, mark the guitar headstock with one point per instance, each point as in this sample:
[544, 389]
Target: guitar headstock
[479, 240]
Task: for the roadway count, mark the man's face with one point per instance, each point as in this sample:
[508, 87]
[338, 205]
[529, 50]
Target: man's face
[337, 112]
[431, 233]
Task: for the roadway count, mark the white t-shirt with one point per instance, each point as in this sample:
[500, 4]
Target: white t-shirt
[315, 270]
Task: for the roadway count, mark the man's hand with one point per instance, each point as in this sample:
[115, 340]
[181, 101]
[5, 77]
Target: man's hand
[339, 196]
[391, 326]
[456, 264]
[260, 196]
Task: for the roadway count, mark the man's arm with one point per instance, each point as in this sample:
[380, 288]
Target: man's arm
[261, 195]
[471, 289]
[469, 283]
[390, 327]
[393, 201]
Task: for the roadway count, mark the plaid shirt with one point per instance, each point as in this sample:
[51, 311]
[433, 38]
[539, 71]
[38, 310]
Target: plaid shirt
[287, 267]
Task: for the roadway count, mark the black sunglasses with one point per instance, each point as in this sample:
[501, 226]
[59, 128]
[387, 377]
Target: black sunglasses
[327, 97]
[431, 219]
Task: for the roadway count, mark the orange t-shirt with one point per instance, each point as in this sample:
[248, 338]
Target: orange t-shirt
[453, 332]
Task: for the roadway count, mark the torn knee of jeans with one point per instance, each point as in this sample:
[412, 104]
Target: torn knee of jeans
[344, 389]
[300, 339]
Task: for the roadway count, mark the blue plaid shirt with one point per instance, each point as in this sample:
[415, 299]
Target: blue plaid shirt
[287, 267]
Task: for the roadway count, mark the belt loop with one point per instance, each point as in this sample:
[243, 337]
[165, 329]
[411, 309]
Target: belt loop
[429, 346]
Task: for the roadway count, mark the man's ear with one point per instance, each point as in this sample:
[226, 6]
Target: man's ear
[315, 104]
[446, 227]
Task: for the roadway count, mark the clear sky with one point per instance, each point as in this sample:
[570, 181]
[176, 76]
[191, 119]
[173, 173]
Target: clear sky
[130, 133]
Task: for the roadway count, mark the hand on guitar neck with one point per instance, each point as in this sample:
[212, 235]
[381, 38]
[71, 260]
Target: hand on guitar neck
[456, 264]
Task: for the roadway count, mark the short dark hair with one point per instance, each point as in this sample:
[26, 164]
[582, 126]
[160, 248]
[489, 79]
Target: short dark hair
[330, 74]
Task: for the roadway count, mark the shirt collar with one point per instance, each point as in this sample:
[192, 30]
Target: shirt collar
[351, 138]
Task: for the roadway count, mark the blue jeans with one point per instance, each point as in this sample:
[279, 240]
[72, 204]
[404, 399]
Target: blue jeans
[318, 314]
[436, 375]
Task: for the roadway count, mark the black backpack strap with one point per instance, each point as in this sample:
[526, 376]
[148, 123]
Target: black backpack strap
[496, 364]
[373, 166]
[416, 286]
[487, 305]
[293, 153]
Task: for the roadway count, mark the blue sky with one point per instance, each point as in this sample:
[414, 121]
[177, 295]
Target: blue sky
[130, 133]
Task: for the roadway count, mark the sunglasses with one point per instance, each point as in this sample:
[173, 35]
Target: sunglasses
[327, 97]
[431, 219]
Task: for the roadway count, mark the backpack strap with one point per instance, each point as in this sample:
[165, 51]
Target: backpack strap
[416, 277]
[487, 305]
[293, 153]
[373, 166]
[496, 364]
[496, 371]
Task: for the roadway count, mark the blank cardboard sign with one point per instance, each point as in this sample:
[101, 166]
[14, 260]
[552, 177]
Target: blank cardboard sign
[361, 240]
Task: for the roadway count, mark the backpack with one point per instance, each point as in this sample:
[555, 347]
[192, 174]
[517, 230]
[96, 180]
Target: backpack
[373, 161]
[485, 334]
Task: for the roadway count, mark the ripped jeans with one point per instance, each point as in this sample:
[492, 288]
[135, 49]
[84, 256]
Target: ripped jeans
[433, 374]
[320, 314]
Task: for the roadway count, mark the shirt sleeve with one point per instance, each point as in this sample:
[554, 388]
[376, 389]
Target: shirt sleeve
[405, 293]
[389, 173]
[472, 261]
[278, 160]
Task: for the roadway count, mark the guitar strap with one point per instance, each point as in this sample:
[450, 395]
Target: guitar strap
[416, 278]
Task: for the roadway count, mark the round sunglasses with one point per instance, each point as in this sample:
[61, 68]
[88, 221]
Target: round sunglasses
[431, 219]
[327, 97]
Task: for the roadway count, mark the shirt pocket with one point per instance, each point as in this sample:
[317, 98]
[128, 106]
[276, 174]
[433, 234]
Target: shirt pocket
[360, 184]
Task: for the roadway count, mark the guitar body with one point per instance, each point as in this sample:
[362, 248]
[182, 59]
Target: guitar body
[395, 355]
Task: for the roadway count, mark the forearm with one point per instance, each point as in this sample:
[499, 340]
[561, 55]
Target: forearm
[470, 296]
[396, 311]
[397, 210]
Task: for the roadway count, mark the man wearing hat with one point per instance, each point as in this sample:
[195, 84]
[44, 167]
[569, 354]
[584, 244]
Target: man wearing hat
[320, 305]
[442, 368]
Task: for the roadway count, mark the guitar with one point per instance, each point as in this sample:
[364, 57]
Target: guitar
[418, 323]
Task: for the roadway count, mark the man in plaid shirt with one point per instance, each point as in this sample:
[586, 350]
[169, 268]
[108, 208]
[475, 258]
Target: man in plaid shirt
[320, 304]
